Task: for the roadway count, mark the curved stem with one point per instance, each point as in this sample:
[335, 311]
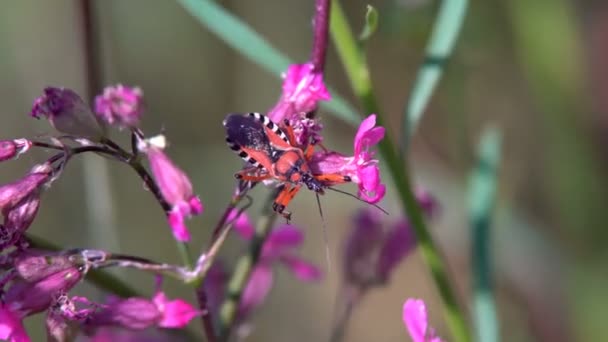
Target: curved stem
[321, 34]
[358, 73]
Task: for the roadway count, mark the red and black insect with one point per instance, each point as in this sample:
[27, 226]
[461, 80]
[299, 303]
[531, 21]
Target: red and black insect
[273, 154]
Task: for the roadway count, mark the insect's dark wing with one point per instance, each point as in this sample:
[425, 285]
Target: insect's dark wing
[247, 137]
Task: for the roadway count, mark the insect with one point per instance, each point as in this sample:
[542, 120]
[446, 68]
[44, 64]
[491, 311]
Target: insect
[273, 154]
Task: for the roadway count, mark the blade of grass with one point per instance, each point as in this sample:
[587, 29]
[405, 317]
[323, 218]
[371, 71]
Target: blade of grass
[353, 60]
[244, 39]
[439, 48]
[482, 197]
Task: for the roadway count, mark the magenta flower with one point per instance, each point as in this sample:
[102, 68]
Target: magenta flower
[11, 149]
[11, 327]
[279, 247]
[416, 321]
[14, 193]
[141, 313]
[303, 88]
[373, 250]
[120, 106]
[362, 168]
[26, 297]
[176, 189]
[67, 113]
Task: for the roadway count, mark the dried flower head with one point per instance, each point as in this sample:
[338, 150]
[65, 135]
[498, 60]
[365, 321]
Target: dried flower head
[119, 105]
[67, 113]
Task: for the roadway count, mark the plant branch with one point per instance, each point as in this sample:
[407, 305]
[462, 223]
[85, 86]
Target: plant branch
[243, 269]
[320, 35]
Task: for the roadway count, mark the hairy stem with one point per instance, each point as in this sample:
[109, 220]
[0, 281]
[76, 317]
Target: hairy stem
[320, 35]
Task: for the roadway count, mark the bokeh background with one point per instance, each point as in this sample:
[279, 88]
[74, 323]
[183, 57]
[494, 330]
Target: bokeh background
[537, 70]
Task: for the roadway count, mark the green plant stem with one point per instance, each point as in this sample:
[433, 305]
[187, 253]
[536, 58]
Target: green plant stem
[243, 268]
[358, 74]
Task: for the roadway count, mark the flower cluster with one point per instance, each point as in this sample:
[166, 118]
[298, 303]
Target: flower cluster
[373, 250]
[279, 248]
[303, 88]
[36, 281]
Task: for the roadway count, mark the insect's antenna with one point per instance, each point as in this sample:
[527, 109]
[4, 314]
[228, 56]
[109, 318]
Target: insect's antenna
[327, 255]
[357, 198]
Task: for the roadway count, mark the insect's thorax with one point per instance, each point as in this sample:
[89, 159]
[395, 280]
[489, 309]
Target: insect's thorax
[290, 166]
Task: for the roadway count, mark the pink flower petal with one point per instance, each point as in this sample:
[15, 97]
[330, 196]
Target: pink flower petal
[176, 222]
[11, 327]
[415, 319]
[242, 225]
[370, 188]
[364, 127]
[177, 314]
[303, 270]
[257, 289]
[281, 240]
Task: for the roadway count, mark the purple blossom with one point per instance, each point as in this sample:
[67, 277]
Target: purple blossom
[27, 297]
[416, 321]
[14, 193]
[373, 249]
[19, 202]
[66, 112]
[279, 247]
[11, 149]
[141, 313]
[176, 189]
[362, 168]
[303, 88]
[120, 105]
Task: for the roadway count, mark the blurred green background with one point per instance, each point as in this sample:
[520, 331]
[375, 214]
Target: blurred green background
[537, 70]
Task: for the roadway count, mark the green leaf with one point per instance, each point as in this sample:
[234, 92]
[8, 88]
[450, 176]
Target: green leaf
[482, 197]
[244, 39]
[371, 23]
[439, 48]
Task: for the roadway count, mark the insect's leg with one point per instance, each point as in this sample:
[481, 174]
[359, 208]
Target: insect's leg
[252, 175]
[310, 149]
[332, 178]
[283, 198]
[288, 130]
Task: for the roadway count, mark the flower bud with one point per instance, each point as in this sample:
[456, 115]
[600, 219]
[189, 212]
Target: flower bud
[120, 106]
[67, 113]
[14, 193]
[11, 149]
[175, 187]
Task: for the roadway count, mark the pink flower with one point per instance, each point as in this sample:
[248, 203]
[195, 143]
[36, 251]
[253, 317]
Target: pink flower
[34, 291]
[120, 105]
[11, 149]
[141, 313]
[362, 168]
[176, 189]
[66, 111]
[279, 247]
[11, 327]
[175, 313]
[416, 321]
[19, 202]
[302, 90]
